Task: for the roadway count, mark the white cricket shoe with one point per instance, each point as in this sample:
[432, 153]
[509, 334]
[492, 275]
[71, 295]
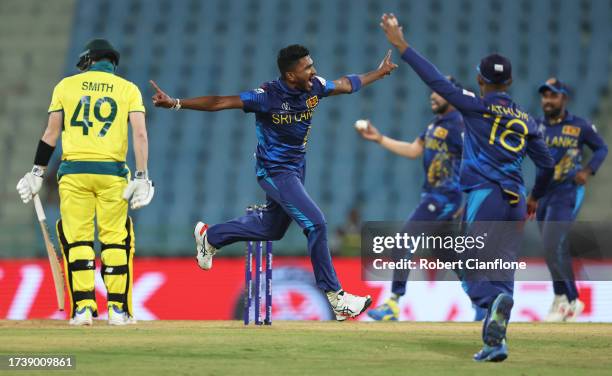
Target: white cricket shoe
[575, 309]
[204, 251]
[558, 310]
[116, 316]
[82, 317]
[346, 305]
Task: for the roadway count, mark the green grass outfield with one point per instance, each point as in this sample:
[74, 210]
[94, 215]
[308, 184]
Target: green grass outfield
[309, 348]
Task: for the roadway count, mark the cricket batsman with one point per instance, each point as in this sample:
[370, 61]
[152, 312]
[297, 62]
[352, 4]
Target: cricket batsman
[498, 135]
[565, 135]
[91, 110]
[283, 118]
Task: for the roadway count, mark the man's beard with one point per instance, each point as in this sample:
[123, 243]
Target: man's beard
[552, 113]
[440, 109]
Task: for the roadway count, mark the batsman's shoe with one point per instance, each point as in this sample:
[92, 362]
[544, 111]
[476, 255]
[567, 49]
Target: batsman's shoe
[492, 353]
[496, 323]
[389, 311]
[116, 316]
[575, 309]
[204, 251]
[558, 310]
[82, 317]
[346, 305]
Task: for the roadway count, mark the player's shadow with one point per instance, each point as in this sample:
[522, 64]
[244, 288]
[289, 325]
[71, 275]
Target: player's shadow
[450, 348]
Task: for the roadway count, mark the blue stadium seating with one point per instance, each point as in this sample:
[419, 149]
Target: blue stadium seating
[202, 162]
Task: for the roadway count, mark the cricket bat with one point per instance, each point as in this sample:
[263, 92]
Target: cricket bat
[56, 268]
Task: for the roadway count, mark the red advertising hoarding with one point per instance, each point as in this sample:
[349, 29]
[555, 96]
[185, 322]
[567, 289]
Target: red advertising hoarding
[176, 289]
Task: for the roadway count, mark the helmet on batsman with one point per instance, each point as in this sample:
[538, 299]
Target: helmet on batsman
[95, 50]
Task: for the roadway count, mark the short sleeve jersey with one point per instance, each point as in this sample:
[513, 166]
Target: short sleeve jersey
[96, 105]
[283, 118]
[565, 141]
[498, 134]
[443, 146]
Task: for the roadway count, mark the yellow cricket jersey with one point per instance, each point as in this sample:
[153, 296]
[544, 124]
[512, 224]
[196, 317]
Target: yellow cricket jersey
[96, 105]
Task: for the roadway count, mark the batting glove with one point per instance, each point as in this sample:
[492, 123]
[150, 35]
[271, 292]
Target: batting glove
[30, 184]
[140, 189]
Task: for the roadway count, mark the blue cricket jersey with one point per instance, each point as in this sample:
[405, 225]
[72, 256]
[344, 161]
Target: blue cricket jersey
[565, 140]
[443, 146]
[283, 119]
[498, 135]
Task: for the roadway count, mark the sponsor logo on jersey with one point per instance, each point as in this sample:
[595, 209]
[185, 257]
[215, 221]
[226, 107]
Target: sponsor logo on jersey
[285, 119]
[562, 142]
[435, 144]
[570, 130]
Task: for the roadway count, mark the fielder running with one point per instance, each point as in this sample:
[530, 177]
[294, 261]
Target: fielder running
[284, 110]
[498, 135]
[441, 146]
[92, 110]
[565, 135]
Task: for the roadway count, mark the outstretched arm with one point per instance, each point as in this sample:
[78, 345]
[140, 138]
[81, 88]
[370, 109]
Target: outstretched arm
[411, 150]
[463, 100]
[206, 103]
[352, 82]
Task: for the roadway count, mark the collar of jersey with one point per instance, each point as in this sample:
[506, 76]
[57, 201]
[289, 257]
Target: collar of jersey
[497, 94]
[449, 116]
[286, 88]
[103, 66]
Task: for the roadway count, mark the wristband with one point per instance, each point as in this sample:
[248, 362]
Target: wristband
[43, 153]
[177, 106]
[355, 82]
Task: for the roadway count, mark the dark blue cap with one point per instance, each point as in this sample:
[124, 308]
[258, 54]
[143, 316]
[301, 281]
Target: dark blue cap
[495, 69]
[555, 86]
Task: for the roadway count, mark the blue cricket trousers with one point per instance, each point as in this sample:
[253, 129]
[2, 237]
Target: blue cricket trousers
[286, 200]
[491, 211]
[556, 212]
[433, 207]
